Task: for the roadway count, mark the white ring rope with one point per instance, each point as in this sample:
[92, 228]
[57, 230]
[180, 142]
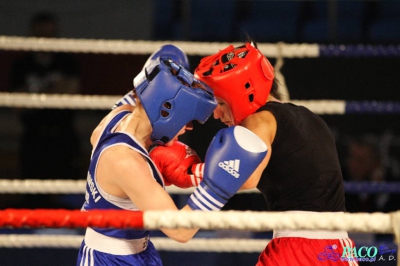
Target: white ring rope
[36, 186]
[57, 101]
[59, 186]
[62, 186]
[67, 101]
[269, 221]
[72, 186]
[161, 243]
[144, 47]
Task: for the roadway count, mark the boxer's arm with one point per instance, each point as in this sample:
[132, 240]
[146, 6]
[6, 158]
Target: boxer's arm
[264, 125]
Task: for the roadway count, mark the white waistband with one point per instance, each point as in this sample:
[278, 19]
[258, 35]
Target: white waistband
[112, 245]
[312, 234]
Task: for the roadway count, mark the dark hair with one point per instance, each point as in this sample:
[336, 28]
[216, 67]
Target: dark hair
[275, 89]
[275, 84]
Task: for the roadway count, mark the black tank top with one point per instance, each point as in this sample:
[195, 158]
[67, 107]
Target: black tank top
[304, 171]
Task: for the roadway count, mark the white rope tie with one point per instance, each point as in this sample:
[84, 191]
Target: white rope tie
[282, 88]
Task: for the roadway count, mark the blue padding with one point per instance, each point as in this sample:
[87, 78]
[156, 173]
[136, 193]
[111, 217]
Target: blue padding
[359, 50]
[353, 107]
[372, 187]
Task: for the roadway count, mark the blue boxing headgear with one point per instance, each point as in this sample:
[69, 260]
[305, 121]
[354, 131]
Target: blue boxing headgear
[172, 52]
[170, 99]
[167, 51]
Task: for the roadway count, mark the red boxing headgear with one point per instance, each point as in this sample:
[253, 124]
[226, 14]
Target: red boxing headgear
[241, 76]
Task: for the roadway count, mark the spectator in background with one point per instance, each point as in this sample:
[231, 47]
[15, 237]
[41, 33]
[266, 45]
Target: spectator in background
[49, 147]
[364, 163]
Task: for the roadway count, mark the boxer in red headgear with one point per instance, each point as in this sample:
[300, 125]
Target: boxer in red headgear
[253, 77]
[301, 171]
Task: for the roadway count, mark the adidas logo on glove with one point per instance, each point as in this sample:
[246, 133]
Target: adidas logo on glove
[231, 166]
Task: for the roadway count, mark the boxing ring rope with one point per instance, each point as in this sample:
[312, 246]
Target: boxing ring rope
[153, 220]
[68, 101]
[190, 48]
[363, 222]
[61, 186]
[217, 220]
[161, 243]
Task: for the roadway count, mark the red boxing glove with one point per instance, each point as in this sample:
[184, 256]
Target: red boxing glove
[179, 164]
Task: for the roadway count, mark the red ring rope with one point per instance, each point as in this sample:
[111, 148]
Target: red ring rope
[57, 218]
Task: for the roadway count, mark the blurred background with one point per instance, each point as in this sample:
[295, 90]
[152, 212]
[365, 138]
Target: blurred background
[368, 145]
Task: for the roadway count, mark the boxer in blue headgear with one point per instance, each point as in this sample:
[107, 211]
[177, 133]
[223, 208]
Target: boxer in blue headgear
[168, 51]
[122, 175]
[184, 154]
[172, 97]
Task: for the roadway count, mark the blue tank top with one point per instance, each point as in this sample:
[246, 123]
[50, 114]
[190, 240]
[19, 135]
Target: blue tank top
[95, 197]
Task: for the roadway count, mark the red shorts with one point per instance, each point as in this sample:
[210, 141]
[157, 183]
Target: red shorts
[305, 251]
